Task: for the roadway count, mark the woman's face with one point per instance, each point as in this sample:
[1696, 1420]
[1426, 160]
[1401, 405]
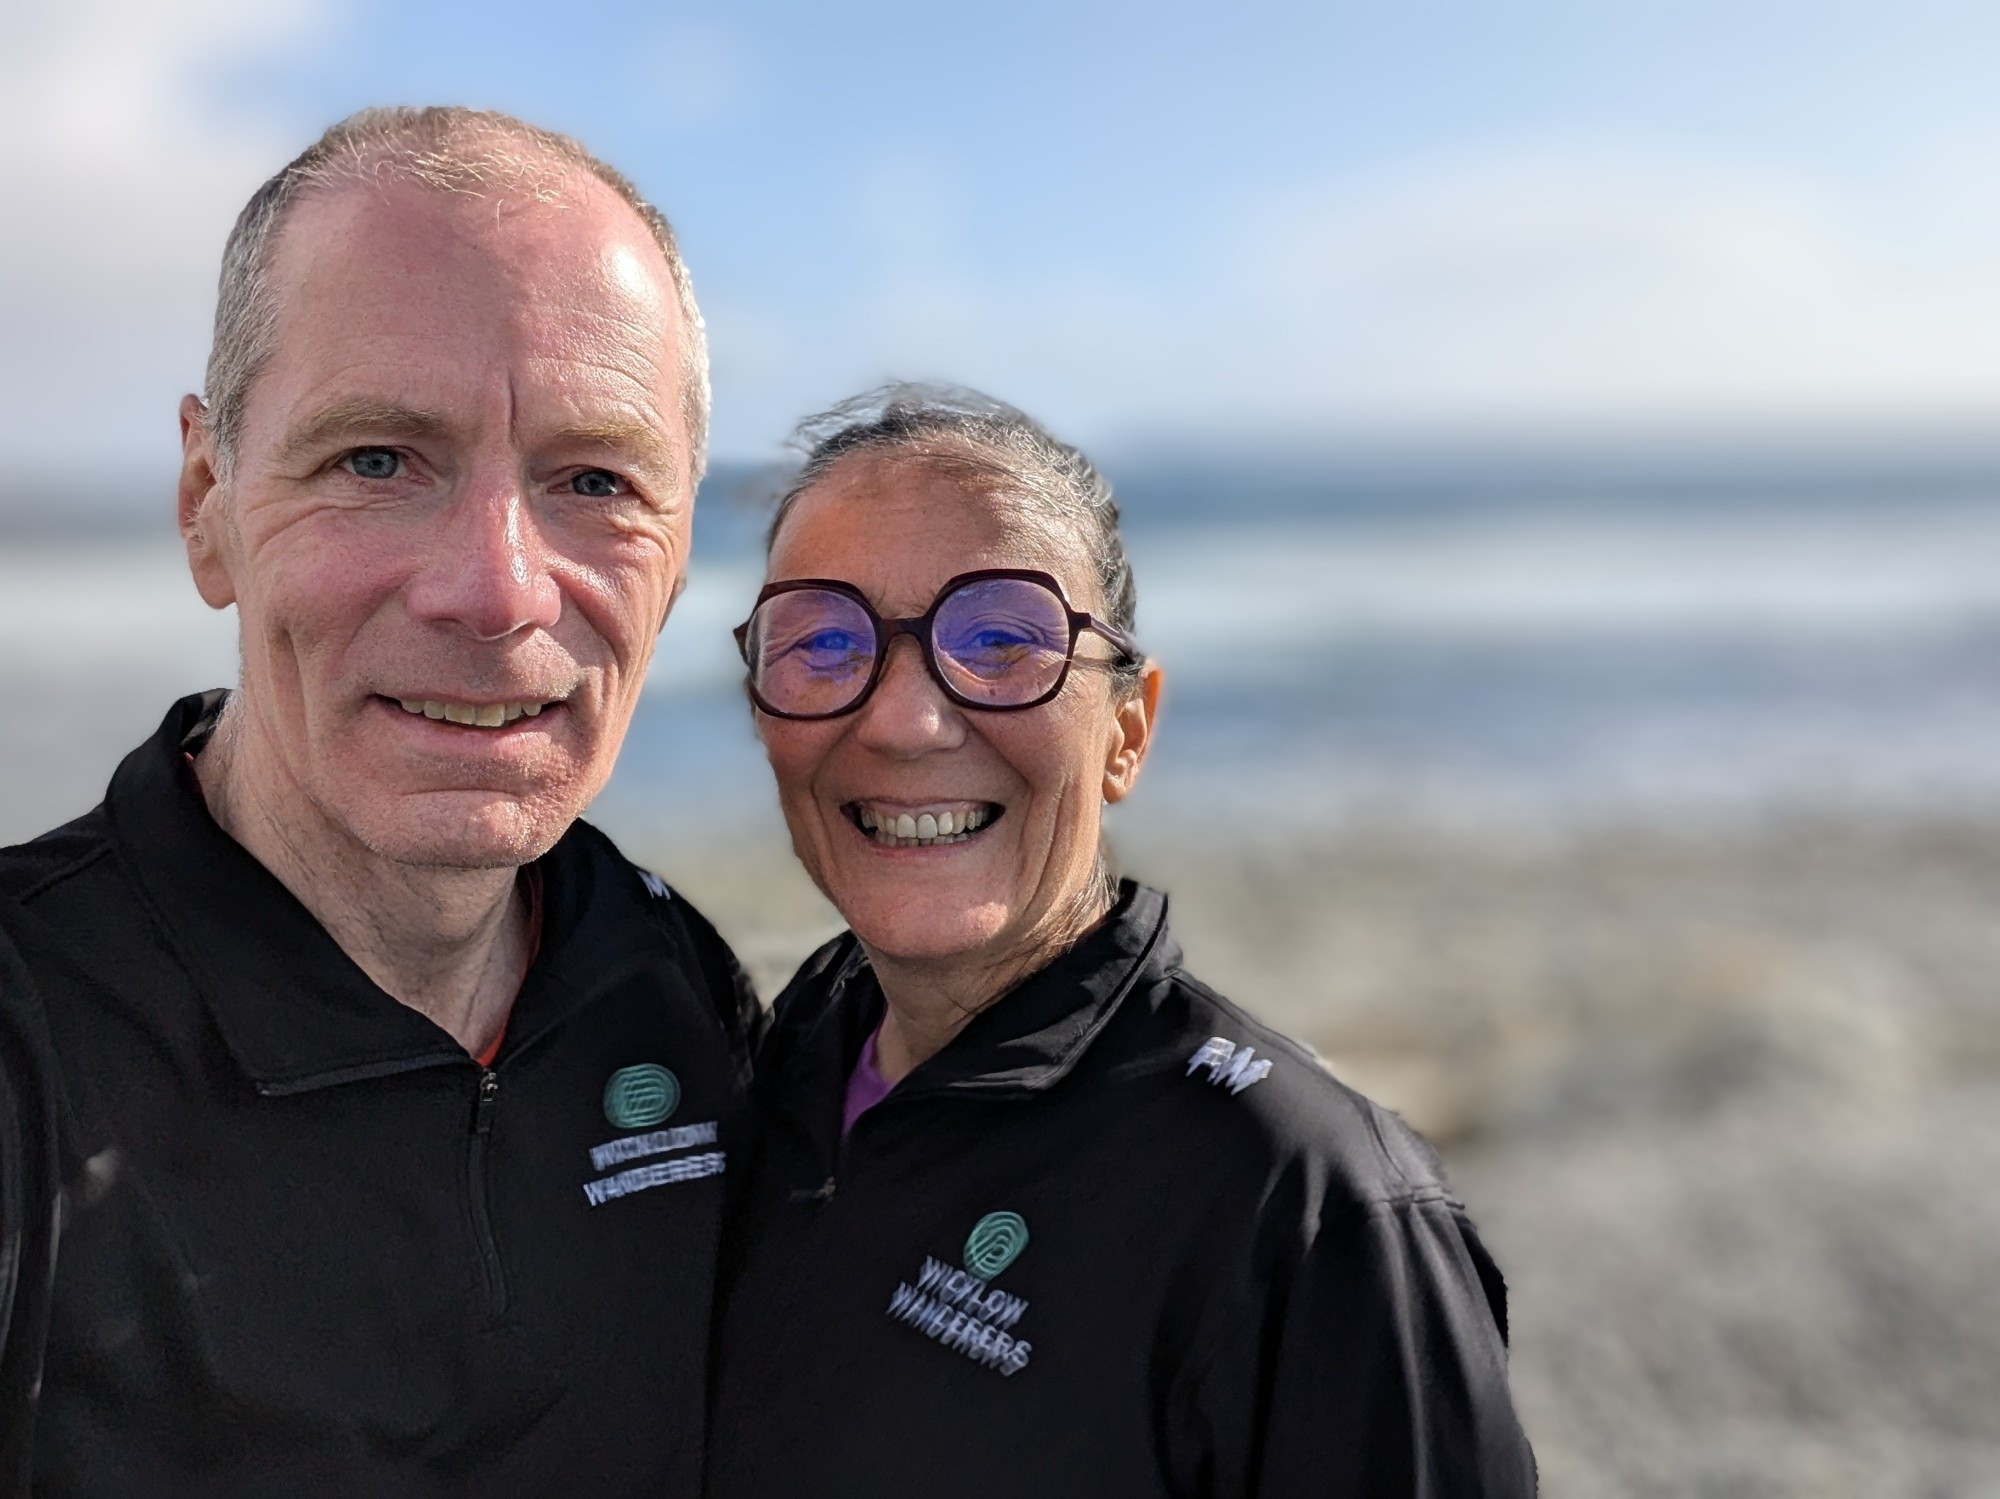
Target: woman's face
[898, 529]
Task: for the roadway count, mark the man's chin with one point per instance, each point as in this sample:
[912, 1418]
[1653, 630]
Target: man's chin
[465, 829]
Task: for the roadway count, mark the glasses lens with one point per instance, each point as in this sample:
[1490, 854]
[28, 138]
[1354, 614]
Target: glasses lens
[1001, 641]
[811, 650]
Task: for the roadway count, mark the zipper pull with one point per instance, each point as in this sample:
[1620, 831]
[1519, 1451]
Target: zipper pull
[819, 1194]
[482, 1110]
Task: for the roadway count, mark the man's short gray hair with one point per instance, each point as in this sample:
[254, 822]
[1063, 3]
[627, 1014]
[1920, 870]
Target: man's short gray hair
[451, 149]
[997, 446]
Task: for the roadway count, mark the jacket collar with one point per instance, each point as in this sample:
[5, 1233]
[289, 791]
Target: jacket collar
[294, 1010]
[1020, 1045]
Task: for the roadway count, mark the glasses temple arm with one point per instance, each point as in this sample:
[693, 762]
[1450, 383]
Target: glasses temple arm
[1125, 642]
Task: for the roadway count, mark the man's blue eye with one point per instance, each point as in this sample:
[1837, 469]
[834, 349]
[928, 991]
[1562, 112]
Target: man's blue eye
[374, 463]
[596, 484]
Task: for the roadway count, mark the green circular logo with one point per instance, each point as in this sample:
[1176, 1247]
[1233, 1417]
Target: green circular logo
[997, 1241]
[637, 1097]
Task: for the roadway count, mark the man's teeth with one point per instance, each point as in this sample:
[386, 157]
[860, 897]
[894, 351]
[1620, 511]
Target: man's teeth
[475, 715]
[922, 830]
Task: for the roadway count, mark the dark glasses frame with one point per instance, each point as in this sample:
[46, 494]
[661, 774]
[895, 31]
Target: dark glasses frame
[921, 626]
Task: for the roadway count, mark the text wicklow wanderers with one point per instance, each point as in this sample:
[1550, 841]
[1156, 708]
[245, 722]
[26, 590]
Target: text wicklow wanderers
[965, 1313]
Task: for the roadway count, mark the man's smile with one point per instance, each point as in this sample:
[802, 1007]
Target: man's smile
[475, 715]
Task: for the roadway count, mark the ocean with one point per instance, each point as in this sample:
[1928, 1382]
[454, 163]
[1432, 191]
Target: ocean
[1506, 658]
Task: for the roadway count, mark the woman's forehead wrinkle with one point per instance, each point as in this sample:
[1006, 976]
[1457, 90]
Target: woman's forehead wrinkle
[1016, 530]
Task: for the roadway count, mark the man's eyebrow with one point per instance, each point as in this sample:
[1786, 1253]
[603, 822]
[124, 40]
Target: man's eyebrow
[641, 440]
[362, 417]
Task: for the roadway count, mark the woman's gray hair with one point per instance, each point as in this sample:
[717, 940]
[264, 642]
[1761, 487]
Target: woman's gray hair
[996, 445]
[449, 149]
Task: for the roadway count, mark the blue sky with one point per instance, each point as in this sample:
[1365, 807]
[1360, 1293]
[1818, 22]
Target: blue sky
[1290, 224]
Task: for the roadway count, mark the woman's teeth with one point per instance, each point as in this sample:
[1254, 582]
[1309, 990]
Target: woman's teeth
[473, 715]
[923, 829]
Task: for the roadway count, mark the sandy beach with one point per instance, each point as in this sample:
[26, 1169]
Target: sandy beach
[1725, 1104]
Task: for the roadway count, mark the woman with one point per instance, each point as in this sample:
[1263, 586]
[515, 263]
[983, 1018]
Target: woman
[1036, 1214]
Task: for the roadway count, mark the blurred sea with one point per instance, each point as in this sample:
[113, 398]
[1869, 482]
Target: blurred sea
[1431, 654]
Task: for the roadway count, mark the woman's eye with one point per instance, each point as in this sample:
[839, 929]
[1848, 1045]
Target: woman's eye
[996, 637]
[373, 463]
[999, 639]
[830, 643]
[832, 652]
[596, 484]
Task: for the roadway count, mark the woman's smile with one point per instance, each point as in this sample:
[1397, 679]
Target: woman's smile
[922, 824]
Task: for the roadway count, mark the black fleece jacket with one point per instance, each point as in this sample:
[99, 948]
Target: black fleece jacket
[266, 1231]
[1117, 1238]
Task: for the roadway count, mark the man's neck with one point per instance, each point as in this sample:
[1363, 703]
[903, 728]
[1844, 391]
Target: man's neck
[453, 944]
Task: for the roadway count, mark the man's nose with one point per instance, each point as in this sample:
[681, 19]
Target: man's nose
[908, 714]
[488, 569]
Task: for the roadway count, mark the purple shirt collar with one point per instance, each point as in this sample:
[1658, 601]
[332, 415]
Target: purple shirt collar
[866, 1086]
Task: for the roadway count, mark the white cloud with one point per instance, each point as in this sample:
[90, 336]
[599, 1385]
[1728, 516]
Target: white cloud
[123, 170]
[1534, 285]
[1622, 284]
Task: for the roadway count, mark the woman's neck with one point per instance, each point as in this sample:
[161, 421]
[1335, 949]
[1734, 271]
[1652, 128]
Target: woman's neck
[927, 1001]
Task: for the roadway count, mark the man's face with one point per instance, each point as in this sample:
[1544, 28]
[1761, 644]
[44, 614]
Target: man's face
[457, 519]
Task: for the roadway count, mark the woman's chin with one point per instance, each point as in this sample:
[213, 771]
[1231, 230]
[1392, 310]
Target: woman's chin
[925, 932]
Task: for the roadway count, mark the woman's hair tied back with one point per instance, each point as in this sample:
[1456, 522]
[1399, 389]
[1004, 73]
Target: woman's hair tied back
[958, 429]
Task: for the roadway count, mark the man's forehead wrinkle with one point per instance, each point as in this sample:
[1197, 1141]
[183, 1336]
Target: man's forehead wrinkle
[413, 303]
[426, 228]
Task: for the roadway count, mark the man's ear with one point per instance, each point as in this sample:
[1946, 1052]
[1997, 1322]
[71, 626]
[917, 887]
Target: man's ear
[680, 587]
[200, 508]
[1132, 733]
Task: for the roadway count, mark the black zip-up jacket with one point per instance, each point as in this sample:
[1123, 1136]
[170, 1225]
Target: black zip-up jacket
[1115, 1239]
[269, 1232]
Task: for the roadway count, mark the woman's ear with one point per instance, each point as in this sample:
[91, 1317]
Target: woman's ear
[1132, 733]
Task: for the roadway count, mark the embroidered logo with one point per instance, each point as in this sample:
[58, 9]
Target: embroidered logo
[640, 1097]
[995, 1243]
[655, 886]
[1228, 1067]
[962, 1309]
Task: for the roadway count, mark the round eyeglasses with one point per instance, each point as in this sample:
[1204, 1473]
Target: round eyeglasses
[996, 640]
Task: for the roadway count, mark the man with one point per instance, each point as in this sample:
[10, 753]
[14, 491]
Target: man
[363, 1113]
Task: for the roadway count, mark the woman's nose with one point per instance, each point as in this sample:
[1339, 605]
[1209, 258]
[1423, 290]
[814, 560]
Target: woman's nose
[908, 714]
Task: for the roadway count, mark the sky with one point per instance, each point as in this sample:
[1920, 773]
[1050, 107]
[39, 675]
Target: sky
[1160, 225]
